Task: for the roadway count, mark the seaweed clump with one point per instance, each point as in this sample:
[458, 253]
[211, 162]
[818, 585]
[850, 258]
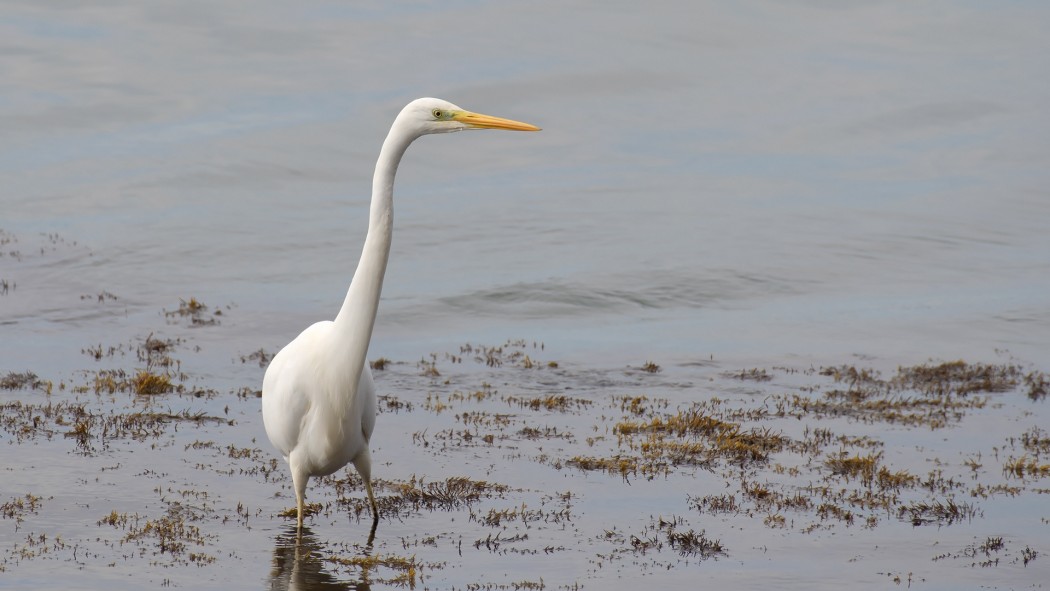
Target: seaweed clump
[934, 396]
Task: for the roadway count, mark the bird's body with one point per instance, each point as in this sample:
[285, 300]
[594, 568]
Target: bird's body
[319, 401]
[311, 413]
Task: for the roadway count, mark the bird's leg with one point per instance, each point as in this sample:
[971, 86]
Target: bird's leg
[372, 502]
[363, 463]
[299, 480]
[372, 534]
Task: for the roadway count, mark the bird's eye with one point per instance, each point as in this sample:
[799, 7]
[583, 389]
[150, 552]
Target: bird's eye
[438, 114]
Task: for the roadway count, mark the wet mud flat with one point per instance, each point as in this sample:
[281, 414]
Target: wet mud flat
[500, 467]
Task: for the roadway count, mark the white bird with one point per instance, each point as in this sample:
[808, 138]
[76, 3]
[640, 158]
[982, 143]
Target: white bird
[318, 398]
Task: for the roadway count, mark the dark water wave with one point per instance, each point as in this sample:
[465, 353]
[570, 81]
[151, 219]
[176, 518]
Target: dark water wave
[620, 294]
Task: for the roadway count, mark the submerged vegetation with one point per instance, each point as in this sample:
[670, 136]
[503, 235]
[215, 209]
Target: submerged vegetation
[24, 381]
[194, 311]
[18, 507]
[513, 456]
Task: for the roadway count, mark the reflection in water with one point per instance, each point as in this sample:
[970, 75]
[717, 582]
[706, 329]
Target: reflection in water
[298, 564]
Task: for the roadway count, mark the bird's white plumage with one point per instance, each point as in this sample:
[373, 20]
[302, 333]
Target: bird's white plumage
[311, 393]
[318, 398]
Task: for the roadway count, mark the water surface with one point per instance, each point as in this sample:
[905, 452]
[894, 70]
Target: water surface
[717, 186]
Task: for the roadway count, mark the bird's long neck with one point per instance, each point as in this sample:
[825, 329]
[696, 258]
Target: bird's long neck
[358, 314]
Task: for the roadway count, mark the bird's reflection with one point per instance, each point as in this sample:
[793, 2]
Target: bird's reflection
[298, 564]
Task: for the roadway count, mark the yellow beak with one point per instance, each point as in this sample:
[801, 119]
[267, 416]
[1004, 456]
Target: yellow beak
[489, 122]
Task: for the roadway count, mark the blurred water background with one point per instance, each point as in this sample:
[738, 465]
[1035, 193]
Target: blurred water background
[753, 180]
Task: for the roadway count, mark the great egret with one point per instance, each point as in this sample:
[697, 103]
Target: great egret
[318, 400]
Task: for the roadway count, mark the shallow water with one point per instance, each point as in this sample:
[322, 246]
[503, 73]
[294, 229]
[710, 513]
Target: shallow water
[717, 186]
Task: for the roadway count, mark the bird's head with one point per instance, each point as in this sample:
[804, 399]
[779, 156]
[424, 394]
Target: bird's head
[431, 115]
